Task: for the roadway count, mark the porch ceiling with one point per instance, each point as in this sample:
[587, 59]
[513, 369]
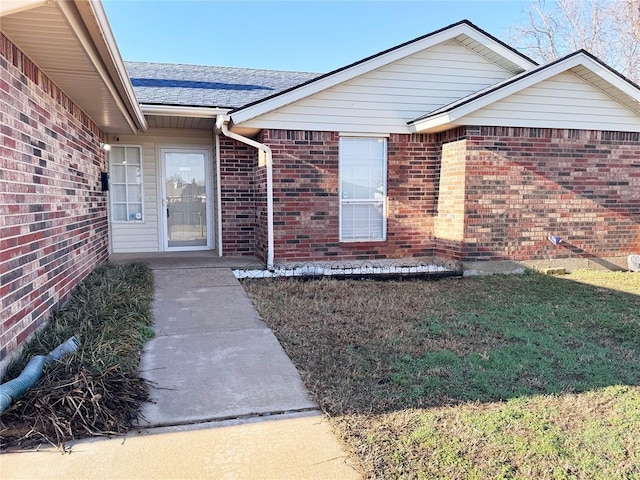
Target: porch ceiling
[70, 44]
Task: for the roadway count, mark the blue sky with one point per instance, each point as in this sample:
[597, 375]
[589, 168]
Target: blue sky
[312, 36]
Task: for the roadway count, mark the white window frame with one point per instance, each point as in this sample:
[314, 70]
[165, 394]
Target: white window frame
[343, 201]
[126, 184]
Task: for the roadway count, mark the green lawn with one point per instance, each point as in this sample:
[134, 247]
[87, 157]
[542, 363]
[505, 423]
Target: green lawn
[525, 376]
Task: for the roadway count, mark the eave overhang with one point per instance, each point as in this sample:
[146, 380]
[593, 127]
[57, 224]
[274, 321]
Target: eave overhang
[71, 42]
[580, 63]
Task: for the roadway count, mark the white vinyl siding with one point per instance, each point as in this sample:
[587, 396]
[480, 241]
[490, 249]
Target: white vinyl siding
[562, 101]
[146, 236]
[363, 185]
[384, 100]
[125, 172]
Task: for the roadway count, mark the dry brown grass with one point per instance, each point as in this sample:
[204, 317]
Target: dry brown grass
[340, 335]
[502, 377]
[96, 390]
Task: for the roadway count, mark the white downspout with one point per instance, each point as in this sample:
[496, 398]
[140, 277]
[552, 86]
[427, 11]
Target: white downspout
[221, 124]
[216, 141]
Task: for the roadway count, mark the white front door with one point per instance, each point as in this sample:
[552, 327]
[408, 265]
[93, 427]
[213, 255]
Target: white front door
[186, 209]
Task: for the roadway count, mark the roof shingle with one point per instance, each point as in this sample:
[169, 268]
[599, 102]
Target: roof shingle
[208, 86]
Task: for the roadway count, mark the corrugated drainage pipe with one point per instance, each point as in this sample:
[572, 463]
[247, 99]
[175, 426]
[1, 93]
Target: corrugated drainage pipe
[14, 389]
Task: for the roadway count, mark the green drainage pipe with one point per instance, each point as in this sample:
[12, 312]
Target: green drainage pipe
[14, 389]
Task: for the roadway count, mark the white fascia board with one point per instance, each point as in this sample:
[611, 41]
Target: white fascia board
[261, 108]
[7, 7]
[520, 84]
[183, 111]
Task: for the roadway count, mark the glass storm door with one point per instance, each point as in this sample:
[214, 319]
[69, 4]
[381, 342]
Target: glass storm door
[186, 189]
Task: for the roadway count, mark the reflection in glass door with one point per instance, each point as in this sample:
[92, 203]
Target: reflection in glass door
[186, 191]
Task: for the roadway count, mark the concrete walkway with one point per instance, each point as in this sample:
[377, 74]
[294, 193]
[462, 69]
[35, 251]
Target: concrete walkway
[227, 403]
[212, 357]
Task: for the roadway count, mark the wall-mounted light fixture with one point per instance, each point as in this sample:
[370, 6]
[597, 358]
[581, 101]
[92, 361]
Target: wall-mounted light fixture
[105, 146]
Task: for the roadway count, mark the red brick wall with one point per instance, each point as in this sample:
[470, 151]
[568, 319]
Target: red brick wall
[260, 179]
[305, 191]
[524, 184]
[472, 193]
[449, 226]
[261, 233]
[306, 223]
[53, 222]
[238, 164]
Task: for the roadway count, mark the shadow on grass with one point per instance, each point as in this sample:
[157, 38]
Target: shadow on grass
[375, 347]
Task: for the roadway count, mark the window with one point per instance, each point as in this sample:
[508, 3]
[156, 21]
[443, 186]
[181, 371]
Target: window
[363, 188]
[125, 172]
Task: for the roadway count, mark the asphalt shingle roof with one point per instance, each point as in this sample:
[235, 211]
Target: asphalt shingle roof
[210, 86]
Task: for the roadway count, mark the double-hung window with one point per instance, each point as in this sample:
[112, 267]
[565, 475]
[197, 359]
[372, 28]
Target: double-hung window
[125, 174]
[363, 189]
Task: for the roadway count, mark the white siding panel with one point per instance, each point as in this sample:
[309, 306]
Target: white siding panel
[563, 101]
[131, 239]
[384, 100]
[146, 236]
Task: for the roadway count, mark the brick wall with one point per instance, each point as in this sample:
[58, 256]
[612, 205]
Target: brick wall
[238, 164]
[53, 222]
[306, 210]
[523, 184]
[261, 233]
[305, 191]
[471, 193]
[449, 226]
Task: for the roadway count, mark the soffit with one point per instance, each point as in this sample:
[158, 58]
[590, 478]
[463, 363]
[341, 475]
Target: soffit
[44, 35]
[489, 54]
[167, 121]
[607, 87]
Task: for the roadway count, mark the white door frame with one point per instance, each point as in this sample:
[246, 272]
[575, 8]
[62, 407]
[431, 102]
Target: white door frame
[208, 205]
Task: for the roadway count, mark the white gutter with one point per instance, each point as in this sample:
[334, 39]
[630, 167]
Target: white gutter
[221, 124]
[183, 111]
